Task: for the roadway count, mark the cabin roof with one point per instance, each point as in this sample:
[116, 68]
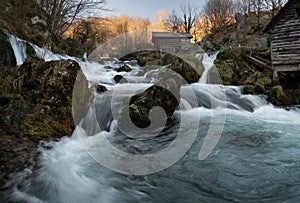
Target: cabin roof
[171, 35]
[278, 16]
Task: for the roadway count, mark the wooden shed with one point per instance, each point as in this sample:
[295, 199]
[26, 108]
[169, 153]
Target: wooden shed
[171, 41]
[285, 44]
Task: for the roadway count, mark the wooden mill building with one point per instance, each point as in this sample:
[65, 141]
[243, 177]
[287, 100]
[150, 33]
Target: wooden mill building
[285, 44]
[171, 41]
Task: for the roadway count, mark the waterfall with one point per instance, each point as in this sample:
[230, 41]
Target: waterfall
[208, 64]
[19, 48]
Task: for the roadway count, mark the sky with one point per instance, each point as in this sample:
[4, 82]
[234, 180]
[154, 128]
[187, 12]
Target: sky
[145, 8]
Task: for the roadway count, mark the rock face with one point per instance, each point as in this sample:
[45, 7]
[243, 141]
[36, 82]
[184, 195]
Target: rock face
[37, 96]
[7, 57]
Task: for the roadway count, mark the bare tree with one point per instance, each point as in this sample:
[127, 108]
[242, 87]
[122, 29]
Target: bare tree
[173, 21]
[243, 6]
[189, 14]
[219, 12]
[274, 6]
[160, 20]
[64, 12]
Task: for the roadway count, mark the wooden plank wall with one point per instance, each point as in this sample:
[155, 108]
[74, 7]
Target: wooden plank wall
[286, 38]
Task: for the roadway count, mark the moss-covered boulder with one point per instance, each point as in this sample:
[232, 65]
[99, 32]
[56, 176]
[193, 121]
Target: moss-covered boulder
[165, 94]
[142, 103]
[280, 97]
[39, 96]
[189, 73]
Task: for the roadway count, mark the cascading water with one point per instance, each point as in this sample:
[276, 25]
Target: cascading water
[19, 47]
[256, 159]
[208, 64]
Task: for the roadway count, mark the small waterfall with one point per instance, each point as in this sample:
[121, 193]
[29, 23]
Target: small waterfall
[208, 64]
[19, 47]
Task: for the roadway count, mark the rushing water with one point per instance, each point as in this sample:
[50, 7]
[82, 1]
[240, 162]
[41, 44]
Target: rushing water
[255, 160]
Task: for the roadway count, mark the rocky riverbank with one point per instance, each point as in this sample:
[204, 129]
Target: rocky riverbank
[35, 105]
[235, 70]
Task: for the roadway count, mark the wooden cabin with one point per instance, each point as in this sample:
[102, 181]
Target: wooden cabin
[285, 44]
[171, 41]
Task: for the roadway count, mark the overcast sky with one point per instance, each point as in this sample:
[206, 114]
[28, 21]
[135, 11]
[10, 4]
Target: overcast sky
[146, 8]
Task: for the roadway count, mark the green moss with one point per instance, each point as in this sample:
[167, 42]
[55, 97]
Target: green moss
[35, 127]
[265, 81]
[249, 89]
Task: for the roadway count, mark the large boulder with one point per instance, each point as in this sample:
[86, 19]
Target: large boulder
[38, 95]
[187, 71]
[165, 94]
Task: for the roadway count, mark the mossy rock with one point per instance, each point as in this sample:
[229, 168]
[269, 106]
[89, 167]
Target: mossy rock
[187, 71]
[265, 81]
[142, 103]
[36, 127]
[249, 89]
[280, 97]
[120, 79]
[38, 101]
[124, 68]
[100, 89]
[7, 56]
[259, 88]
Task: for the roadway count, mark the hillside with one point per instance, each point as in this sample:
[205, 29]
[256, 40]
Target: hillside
[24, 19]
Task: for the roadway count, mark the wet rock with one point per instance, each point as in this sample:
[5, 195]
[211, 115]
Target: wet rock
[142, 103]
[15, 155]
[165, 94]
[101, 88]
[187, 72]
[120, 79]
[124, 68]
